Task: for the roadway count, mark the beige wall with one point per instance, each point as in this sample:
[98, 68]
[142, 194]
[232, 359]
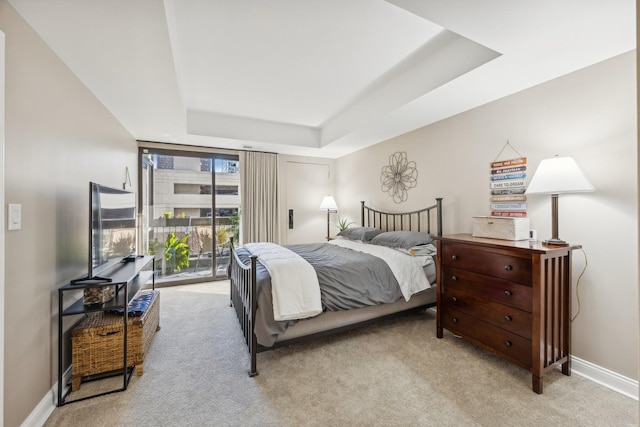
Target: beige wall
[58, 138]
[589, 115]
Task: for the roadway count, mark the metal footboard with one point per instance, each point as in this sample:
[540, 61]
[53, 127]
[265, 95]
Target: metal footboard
[243, 298]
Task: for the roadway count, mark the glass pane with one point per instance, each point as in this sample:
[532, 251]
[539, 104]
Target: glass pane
[146, 203]
[189, 242]
[227, 201]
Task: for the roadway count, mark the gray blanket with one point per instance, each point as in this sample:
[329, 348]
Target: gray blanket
[348, 279]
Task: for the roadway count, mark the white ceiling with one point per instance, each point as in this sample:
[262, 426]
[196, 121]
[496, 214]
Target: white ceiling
[317, 77]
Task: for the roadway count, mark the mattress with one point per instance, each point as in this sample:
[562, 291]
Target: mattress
[355, 287]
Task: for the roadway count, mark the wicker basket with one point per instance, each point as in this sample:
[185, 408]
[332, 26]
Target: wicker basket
[97, 345]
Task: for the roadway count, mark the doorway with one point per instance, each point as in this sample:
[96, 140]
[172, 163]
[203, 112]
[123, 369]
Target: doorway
[305, 186]
[189, 209]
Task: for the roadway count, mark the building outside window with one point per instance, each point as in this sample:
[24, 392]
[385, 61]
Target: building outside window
[182, 204]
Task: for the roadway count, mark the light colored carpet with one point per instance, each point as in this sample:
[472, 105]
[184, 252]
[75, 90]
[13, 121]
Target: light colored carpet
[393, 373]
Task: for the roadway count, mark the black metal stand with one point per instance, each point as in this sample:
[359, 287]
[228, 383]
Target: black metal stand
[127, 279]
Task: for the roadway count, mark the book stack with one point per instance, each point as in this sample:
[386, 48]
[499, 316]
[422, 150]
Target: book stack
[508, 184]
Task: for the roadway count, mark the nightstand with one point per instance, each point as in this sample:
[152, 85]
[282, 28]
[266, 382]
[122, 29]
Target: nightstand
[512, 298]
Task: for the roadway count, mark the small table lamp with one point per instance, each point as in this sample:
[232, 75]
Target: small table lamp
[555, 176]
[329, 204]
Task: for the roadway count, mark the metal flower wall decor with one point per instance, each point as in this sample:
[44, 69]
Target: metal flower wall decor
[399, 176]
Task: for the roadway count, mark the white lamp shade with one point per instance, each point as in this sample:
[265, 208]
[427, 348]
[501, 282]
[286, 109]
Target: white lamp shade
[559, 175]
[328, 203]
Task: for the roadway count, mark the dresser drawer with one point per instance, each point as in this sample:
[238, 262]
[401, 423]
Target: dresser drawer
[486, 292]
[497, 340]
[468, 257]
[503, 316]
[487, 287]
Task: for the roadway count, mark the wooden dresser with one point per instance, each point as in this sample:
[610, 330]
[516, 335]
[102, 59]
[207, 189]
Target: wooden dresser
[509, 297]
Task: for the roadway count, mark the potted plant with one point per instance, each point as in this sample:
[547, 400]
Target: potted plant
[176, 252]
[344, 223]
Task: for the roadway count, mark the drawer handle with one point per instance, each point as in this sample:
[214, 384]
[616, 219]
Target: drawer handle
[106, 334]
[508, 267]
[508, 343]
[508, 318]
[454, 299]
[454, 257]
[454, 278]
[455, 320]
[507, 293]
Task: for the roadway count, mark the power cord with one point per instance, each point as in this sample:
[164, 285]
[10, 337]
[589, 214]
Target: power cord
[578, 283]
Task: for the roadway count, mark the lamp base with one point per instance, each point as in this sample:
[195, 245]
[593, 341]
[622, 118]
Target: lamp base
[555, 242]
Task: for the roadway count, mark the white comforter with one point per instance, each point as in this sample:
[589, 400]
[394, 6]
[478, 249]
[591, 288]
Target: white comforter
[294, 283]
[406, 269]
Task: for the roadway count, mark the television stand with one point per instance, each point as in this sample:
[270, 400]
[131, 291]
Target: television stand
[127, 279]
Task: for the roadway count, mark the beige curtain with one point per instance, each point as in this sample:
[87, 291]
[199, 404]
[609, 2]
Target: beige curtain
[259, 197]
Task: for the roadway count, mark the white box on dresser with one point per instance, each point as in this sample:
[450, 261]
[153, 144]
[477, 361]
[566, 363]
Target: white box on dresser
[497, 227]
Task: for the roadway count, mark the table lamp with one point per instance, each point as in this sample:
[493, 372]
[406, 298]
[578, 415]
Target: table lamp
[328, 204]
[556, 176]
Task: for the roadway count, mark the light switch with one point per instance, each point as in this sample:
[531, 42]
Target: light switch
[15, 216]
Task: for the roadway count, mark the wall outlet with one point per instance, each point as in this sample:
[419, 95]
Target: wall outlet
[533, 235]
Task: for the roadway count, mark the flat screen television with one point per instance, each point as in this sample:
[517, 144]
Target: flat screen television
[112, 229]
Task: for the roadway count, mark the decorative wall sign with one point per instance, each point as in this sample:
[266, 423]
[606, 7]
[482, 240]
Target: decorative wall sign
[508, 184]
[399, 176]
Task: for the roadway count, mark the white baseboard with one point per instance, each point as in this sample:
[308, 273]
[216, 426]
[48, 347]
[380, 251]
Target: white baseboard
[605, 377]
[47, 405]
[43, 411]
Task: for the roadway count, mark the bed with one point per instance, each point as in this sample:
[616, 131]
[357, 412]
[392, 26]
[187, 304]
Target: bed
[401, 239]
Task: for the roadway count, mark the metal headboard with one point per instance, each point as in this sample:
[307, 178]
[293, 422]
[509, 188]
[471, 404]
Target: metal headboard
[419, 220]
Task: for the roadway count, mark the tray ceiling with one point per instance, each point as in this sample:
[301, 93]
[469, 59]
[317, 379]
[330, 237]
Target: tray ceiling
[319, 78]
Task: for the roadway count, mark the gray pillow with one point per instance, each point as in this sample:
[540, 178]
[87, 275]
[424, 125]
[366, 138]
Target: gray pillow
[364, 234]
[402, 239]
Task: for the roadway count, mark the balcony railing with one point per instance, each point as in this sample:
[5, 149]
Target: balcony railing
[190, 247]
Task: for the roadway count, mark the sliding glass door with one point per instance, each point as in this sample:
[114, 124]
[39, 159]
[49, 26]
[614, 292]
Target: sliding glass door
[189, 210]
